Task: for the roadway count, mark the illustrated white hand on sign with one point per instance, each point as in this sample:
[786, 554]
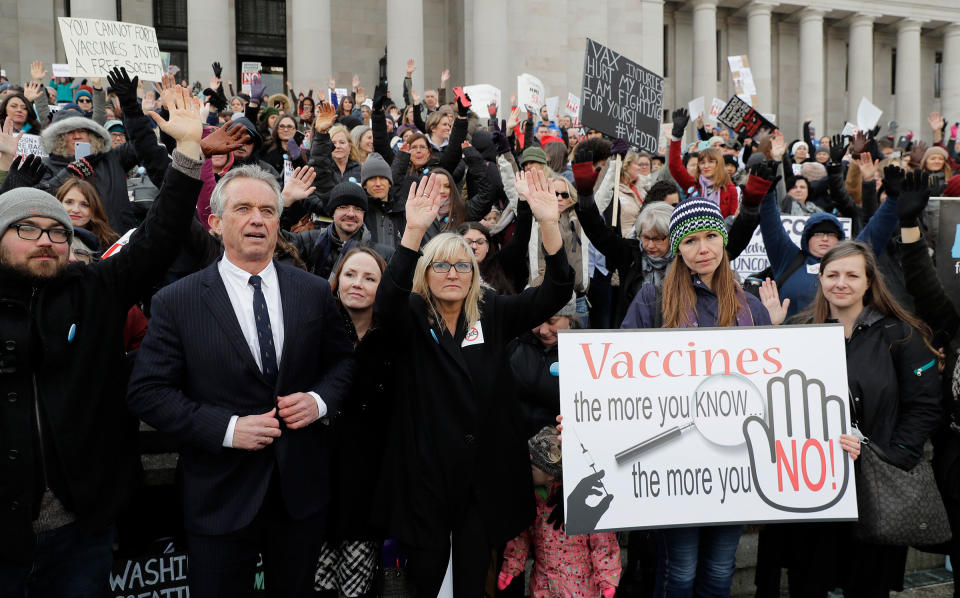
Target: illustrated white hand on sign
[677, 427]
[95, 46]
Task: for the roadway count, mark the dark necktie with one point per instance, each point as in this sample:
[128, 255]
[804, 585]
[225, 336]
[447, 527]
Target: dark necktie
[268, 353]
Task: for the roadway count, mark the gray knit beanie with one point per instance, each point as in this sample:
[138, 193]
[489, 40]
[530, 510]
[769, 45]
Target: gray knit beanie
[570, 309]
[373, 166]
[27, 202]
[545, 451]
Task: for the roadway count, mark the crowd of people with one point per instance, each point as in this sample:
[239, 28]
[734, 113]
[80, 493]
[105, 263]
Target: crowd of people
[345, 311]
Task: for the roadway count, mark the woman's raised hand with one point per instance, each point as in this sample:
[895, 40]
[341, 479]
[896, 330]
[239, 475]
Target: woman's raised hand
[423, 203]
[326, 115]
[770, 297]
[543, 201]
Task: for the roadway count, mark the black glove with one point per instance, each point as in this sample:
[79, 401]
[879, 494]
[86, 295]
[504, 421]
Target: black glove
[379, 97]
[619, 147]
[680, 120]
[25, 171]
[124, 87]
[217, 69]
[837, 149]
[462, 110]
[913, 198]
[556, 515]
[500, 139]
[216, 99]
[872, 133]
[893, 180]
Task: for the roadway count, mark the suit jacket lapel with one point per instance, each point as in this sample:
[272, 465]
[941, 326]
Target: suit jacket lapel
[290, 300]
[216, 298]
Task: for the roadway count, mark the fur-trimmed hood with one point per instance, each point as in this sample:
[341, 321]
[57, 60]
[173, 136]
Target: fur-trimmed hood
[65, 125]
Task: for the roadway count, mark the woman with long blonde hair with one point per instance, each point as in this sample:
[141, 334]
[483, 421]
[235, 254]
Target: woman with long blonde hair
[456, 474]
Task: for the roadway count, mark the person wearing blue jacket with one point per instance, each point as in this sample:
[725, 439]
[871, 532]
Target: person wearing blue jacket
[820, 234]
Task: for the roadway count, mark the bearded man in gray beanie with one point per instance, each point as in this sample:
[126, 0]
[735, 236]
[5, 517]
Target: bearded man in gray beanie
[68, 441]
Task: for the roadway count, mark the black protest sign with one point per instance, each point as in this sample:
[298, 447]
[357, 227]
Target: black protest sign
[621, 98]
[743, 119]
[948, 246]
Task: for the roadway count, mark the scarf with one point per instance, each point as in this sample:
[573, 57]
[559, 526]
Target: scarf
[706, 188]
[655, 268]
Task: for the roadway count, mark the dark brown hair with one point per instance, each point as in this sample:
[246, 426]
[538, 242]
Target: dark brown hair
[335, 280]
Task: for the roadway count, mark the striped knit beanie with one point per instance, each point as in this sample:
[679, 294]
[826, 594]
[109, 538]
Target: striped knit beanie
[692, 216]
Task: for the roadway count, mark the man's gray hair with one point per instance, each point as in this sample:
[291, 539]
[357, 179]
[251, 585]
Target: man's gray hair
[218, 199]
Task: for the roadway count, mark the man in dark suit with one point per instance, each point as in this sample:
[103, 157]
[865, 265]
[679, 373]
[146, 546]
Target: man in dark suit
[241, 361]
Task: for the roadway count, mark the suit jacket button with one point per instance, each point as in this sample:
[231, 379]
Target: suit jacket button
[10, 345]
[469, 439]
[11, 397]
[380, 387]
[12, 454]
[14, 505]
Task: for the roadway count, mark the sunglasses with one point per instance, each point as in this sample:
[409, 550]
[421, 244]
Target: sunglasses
[84, 101]
[563, 195]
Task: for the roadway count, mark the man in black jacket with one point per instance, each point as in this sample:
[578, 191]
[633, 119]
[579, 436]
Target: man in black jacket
[68, 441]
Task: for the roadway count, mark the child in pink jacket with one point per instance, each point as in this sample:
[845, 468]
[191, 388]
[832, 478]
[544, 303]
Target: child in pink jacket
[583, 566]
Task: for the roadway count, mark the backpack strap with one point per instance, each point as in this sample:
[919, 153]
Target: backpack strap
[795, 265]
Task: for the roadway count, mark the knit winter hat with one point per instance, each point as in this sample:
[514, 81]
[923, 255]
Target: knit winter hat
[533, 154]
[821, 149]
[375, 165]
[84, 90]
[693, 216]
[796, 144]
[545, 451]
[348, 193]
[570, 309]
[825, 226]
[27, 202]
[935, 150]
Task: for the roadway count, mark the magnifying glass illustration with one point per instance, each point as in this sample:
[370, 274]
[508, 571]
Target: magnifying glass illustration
[718, 408]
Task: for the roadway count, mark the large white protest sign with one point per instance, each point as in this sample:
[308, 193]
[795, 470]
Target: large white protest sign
[754, 258]
[30, 144]
[709, 426]
[530, 92]
[95, 46]
[481, 96]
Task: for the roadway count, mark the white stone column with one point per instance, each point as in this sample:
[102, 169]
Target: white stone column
[651, 28]
[209, 40]
[908, 98]
[759, 52]
[860, 64]
[950, 74]
[490, 51]
[404, 41]
[811, 68]
[705, 49]
[311, 59]
[94, 9]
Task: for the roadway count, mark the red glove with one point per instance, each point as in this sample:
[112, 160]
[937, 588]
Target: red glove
[503, 580]
[585, 177]
[609, 592]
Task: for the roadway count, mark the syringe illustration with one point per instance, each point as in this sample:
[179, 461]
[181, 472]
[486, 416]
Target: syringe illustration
[591, 462]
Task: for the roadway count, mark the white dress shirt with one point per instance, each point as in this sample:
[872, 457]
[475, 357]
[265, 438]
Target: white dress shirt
[240, 292]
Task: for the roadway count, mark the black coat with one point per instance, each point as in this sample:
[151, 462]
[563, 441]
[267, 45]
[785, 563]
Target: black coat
[536, 386]
[458, 435]
[359, 430]
[895, 386]
[80, 377]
